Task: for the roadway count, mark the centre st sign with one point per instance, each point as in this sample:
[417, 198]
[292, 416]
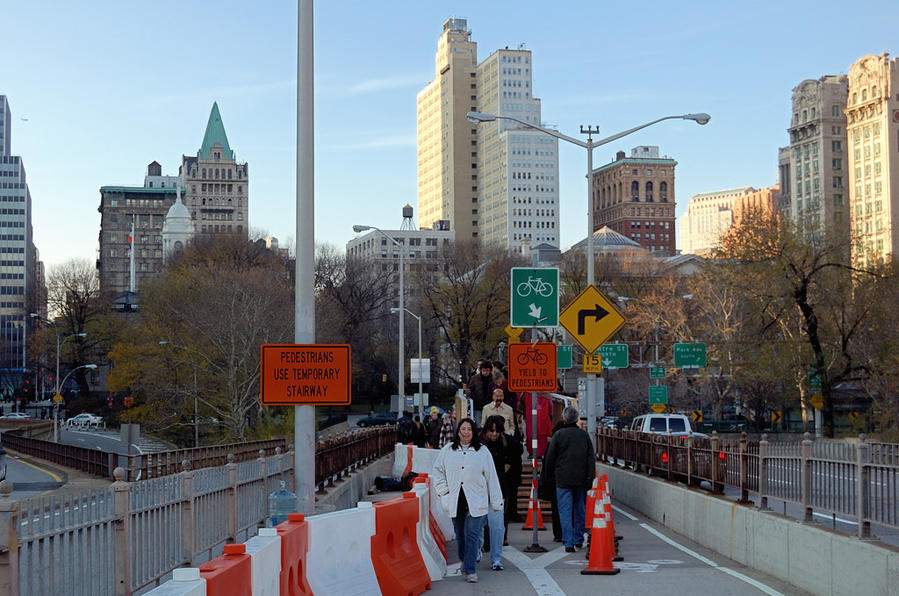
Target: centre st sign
[304, 374]
[614, 356]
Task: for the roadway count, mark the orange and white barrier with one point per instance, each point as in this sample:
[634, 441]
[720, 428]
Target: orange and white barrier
[229, 574]
[185, 582]
[403, 456]
[265, 555]
[339, 558]
[395, 554]
[294, 535]
[434, 557]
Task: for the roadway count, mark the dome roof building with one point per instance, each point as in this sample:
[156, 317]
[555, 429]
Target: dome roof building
[177, 229]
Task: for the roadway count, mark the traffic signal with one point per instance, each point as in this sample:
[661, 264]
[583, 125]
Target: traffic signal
[26, 387]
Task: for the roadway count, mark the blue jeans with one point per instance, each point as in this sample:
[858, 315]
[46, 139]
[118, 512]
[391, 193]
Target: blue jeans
[468, 540]
[497, 526]
[572, 501]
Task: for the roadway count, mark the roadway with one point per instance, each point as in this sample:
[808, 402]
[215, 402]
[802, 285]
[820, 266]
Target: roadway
[656, 561]
[31, 479]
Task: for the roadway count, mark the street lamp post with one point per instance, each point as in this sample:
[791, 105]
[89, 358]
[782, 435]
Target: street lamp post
[165, 342]
[421, 405]
[589, 145]
[59, 343]
[56, 406]
[401, 371]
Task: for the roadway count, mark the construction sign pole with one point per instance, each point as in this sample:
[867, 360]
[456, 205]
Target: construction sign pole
[534, 506]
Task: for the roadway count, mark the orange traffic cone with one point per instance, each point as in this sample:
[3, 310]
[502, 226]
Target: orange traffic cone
[533, 512]
[601, 542]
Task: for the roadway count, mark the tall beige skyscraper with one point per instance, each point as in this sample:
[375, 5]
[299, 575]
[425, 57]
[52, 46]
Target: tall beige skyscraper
[813, 167]
[872, 114]
[497, 182]
[447, 142]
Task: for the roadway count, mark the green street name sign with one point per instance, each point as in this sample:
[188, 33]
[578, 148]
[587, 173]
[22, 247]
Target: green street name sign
[534, 297]
[563, 357]
[614, 356]
[690, 355]
[658, 394]
[657, 371]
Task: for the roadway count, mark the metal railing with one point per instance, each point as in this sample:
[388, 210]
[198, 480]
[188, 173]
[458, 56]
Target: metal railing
[127, 537]
[856, 479]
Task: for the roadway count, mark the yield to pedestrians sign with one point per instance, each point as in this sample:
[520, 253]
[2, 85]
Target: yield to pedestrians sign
[591, 319]
[535, 297]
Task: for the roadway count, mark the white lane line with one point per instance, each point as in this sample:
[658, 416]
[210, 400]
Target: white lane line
[625, 513]
[839, 519]
[534, 569]
[744, 578]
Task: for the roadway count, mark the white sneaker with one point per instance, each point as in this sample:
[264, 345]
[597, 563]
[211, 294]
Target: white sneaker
[472, 579]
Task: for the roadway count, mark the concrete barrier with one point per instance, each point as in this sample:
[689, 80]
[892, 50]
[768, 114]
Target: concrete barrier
[811, 557]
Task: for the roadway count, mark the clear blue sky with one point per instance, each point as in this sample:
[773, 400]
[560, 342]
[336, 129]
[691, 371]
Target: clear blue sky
[107, 87]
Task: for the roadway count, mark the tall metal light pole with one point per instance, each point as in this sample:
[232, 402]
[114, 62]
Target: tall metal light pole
[401, 374]
[56, 407]
[421, 405]
[59, 343]
[165, 342]
[589, 145]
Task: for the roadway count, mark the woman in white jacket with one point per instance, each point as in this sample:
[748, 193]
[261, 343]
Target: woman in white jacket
[465, 480]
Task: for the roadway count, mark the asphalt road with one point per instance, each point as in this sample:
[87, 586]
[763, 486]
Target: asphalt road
[656, 561]
[28, 479]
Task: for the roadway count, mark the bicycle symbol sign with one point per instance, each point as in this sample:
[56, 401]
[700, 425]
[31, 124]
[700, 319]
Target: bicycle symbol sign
[534, 297]
[532, 367]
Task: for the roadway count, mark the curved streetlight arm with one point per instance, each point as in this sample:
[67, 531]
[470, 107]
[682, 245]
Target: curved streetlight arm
[699, 118]
[361, 228]
[87, 366]
[478, 117]
[394, 310]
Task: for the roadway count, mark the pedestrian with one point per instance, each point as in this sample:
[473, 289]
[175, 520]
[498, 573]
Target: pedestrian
[404, 429]
[544, 422]
[480, 387]
[571, 463]
[419, 432]
[467, 485]
[433, 426]
[547, 492]
[498, 408]
[447, 428]
[506, 453]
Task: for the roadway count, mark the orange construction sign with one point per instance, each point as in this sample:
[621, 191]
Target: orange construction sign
[304, 374]
[532, 367]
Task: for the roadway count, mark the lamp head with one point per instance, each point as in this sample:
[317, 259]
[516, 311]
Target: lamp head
[90, 366]
[394, 310]
[33, 315]
[687, 296]
[478, 117]
[163, 342]
[360, 228]
[700, 118]
[81, 334]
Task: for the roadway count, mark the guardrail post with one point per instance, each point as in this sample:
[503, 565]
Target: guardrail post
[763, 473]
[806, 476]
[690, 454]
[717, 486]
[262, 463]
[744, 469]
[863, 457]
[231, 506]
[122, 539]
[9, 542]
[188, 516]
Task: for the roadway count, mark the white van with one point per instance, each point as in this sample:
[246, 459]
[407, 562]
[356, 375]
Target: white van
[677, 425]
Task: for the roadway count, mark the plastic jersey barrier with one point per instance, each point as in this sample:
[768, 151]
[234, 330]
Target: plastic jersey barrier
[338, 560]
[229, 574]
[185, 581]
[294, 535]
[397, 560]
[434, 557]
[433, 526]
[402, 457]
[265, 552]
[423, 459]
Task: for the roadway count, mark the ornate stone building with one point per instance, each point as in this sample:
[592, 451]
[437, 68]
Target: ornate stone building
[872, 113]
[812, 169]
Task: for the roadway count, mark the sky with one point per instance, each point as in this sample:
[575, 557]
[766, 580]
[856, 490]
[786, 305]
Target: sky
[99, 90]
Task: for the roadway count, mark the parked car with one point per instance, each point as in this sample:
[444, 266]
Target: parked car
[378, 419]
[16, 416]
[85, 420]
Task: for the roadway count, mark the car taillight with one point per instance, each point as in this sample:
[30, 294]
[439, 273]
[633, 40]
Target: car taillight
[664, 457]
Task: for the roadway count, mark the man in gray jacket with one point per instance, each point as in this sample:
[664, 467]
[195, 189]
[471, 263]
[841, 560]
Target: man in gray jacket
[571, 461]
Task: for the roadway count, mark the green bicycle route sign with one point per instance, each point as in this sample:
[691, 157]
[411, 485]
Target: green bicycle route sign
[534, 297]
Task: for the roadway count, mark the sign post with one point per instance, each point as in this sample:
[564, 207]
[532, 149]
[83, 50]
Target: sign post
[534, 297]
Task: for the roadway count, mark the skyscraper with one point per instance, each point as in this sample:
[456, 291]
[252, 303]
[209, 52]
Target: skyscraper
[21, 274]
[872, 113]
[813, 167]
[496, 183]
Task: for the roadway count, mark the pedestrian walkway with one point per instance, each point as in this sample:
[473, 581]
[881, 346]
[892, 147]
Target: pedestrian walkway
[656, 561]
